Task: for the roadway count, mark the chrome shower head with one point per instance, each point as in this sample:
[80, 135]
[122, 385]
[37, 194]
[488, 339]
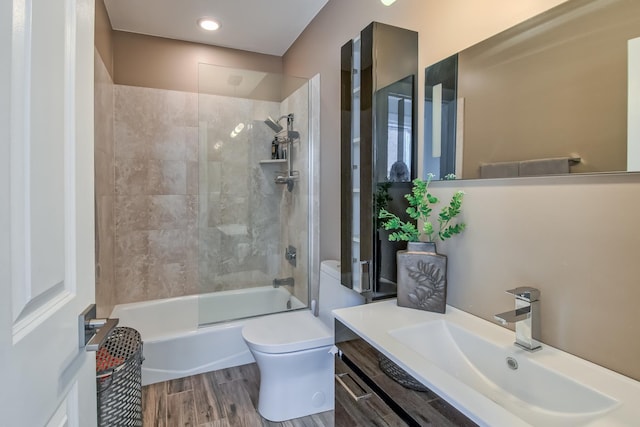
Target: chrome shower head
[273, 124]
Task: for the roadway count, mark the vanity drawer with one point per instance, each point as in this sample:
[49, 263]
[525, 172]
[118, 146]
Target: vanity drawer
[357, 404]
[414, 408]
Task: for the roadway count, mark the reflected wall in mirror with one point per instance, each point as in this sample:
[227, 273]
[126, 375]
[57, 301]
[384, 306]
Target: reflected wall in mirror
[440, 118]
[555, 94]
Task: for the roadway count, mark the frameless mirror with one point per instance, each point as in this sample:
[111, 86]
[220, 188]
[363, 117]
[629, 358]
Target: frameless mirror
[559, 93]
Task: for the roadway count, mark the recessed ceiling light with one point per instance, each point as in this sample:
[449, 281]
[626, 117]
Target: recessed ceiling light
[208, 24]
[387, 2]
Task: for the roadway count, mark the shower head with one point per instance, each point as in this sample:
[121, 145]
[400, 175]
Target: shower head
[273, 124]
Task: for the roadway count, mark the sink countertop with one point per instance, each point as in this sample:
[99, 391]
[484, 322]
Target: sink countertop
[374, 322]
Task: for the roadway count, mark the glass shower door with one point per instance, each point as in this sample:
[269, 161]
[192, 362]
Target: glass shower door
[247, 216]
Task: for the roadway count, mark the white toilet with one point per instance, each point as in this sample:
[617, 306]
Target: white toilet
[293, 352]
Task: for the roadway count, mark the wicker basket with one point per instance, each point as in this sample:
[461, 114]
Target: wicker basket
[398, 374]
[119, 379]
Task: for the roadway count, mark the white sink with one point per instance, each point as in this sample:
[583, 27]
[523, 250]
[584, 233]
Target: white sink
[468, 361]
[532, 391]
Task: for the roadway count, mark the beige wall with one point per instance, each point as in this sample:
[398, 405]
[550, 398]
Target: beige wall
[576, 238]
[104, 36]
[155, 62]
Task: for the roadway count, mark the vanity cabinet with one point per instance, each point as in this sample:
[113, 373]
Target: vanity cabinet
[365, 395]
[378, 151]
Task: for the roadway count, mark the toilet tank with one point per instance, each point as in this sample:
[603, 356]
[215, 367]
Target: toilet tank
[332, 294]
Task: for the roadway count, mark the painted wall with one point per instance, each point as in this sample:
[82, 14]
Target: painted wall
[576, 238]
[103, 38]
[160, 63]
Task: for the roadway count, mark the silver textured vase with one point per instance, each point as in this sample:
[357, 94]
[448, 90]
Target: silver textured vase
[422, 277]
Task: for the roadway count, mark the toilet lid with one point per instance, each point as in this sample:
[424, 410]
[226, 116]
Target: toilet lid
[286, 332]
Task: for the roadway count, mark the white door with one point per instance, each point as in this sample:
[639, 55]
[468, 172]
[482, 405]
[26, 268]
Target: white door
[46, 212]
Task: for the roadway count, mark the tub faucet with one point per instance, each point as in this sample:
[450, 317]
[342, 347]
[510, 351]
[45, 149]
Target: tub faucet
[526, 317]
[283, 282]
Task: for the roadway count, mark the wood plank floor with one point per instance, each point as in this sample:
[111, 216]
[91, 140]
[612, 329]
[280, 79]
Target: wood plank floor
[224, 398]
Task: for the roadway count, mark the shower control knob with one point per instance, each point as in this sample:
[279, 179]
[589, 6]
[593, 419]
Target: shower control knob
[290, 255]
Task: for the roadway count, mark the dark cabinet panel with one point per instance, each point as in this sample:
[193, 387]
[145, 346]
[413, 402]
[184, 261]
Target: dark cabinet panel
[378, 150]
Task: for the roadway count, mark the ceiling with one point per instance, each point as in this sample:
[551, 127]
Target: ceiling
[264, 26]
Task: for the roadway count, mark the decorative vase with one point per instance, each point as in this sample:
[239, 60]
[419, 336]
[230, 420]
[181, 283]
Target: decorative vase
[422, 277]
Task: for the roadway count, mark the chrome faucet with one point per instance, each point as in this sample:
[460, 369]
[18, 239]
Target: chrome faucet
[283, 282]
[526, 317]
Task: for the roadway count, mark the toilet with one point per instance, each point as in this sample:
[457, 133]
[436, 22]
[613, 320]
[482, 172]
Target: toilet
[293, 351]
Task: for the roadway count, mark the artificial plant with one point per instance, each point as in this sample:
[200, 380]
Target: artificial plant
[421, 204]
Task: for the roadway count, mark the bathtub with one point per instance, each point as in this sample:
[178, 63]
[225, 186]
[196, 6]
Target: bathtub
[176, 346]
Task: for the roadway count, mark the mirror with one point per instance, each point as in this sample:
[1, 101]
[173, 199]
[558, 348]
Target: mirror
[394, 132]
[559, 93]
[393, 170]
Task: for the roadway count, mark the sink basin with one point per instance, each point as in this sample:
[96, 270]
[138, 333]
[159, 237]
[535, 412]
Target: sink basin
[474, 365]
[506, 375]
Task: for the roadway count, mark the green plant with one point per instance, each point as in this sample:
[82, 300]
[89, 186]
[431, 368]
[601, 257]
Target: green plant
[420, 208]
[382, 197]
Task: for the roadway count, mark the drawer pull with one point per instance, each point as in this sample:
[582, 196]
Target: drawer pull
[361, 394]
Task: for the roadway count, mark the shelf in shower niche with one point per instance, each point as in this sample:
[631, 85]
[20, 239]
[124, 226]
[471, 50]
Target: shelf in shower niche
[233, 230]
[271, 161]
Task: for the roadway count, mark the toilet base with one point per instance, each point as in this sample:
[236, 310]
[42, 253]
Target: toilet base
[296, 384]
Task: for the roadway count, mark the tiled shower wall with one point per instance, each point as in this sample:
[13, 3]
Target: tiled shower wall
[179, 228]
[239, 217]
[294, 205]
[156, 184]
[104, 188]
[246, 219]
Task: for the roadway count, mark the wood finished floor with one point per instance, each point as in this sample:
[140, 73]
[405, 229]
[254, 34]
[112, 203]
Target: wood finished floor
[224, 398]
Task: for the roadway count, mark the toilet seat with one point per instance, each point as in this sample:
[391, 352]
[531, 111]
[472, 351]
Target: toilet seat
[287, 332]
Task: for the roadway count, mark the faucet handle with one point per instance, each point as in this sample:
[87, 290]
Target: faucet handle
[525, 293]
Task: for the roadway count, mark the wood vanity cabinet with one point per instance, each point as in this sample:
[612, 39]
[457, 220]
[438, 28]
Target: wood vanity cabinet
[366, 396]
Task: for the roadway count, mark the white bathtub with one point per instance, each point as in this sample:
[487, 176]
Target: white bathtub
[175, 346]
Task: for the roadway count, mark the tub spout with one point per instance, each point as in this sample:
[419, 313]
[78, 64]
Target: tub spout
[283, 282]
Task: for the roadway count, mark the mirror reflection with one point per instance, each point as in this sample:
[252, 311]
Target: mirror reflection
[394, 131]
[394, 171]
[557, 94]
